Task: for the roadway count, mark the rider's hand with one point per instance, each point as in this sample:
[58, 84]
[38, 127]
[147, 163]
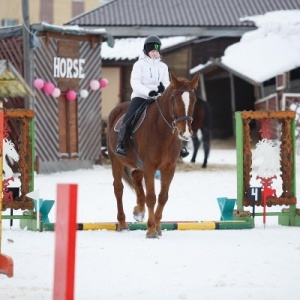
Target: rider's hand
[153, 94]
[161, 88]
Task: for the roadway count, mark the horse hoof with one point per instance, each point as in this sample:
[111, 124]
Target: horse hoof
[159, 232]
[139, 217]
[152, 236]
[122, 229]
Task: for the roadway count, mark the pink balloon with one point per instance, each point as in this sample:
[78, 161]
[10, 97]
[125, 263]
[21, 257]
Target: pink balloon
[48, 88]
[71, 95]
[94, 85]
[103, 82]
[56, 93]
[38, 83]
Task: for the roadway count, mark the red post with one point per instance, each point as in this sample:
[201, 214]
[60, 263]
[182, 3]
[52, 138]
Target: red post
[266, 193]
[65, 240]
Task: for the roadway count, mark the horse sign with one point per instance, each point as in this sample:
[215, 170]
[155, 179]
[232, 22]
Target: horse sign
[9, 151]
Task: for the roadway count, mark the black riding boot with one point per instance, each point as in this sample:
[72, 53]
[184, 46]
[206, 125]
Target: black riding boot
[184, 152]
[120, 148]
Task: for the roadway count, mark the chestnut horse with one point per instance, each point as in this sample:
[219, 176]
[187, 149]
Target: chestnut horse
[157, 145]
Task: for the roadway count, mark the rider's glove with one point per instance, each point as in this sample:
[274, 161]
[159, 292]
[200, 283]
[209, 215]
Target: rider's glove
[161, 88]
[152, 94]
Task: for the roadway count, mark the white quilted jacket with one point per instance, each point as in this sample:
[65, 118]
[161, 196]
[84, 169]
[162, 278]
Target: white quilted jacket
[146, 75]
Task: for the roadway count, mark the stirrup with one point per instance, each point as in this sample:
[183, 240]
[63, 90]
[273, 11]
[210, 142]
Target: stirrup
[120, 150]
[184, 152]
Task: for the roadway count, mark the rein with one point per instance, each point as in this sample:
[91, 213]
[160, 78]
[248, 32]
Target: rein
[175, 119]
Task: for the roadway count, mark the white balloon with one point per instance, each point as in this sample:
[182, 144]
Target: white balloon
[94, 84]
[84, 93]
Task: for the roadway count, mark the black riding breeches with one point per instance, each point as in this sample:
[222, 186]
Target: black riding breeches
[134, 105]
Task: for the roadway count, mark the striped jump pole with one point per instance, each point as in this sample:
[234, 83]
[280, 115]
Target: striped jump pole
[246, 223]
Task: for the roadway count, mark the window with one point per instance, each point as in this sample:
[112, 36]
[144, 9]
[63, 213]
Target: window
[9, 22]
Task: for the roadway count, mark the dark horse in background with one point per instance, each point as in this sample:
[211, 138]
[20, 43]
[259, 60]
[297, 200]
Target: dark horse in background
[157, 144]
[202, 122]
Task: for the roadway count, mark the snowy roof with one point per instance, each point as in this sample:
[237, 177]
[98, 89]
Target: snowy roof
[12, 83]
[268, 51]
[191, 13]
[68, 29]
[75, 30]
[131, 48]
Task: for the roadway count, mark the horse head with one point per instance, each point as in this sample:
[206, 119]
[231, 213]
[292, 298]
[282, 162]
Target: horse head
[183, 99]
[10, 150]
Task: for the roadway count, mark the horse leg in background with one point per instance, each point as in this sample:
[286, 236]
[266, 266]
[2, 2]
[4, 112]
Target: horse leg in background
[117, 169]
[196, 144]
[206, 145]
[166, 179]
[150, 202]
[139, 209]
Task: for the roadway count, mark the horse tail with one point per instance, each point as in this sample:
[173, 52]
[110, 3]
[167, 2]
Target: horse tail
[126, 175]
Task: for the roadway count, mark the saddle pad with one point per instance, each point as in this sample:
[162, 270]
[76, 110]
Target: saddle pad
[136, 126]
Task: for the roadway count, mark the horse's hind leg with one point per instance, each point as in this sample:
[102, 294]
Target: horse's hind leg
[117, 169]
[196, 144]
[139, 209]
[206, 145]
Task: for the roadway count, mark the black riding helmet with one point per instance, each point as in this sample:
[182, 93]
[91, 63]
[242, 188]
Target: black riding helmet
[152, 42]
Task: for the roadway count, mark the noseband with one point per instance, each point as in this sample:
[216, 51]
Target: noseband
[176, 120]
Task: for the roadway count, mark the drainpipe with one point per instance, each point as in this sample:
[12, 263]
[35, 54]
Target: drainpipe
[27, 52]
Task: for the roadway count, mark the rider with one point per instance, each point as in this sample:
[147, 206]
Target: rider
[149, 78]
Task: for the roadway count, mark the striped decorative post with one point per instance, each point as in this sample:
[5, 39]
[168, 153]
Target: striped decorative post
[240, 160]
[6, 262]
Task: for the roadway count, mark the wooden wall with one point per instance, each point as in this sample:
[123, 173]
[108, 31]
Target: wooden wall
[68, 133]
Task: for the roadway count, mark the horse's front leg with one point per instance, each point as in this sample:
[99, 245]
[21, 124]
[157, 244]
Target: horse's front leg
[166, 179]
[150, 202]
[139, 209]
[118, 190]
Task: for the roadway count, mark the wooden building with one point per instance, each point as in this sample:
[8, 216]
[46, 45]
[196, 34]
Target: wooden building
[67, 133]
[214, 25]
[240, 92]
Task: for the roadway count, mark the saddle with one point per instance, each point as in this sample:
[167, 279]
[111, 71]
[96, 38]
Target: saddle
[134, 125]
[136, 122]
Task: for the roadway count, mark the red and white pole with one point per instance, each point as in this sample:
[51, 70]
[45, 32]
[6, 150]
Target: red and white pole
[65, 241]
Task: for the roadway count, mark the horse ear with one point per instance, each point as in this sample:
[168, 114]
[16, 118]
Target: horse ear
[174, 78]
[195, 80]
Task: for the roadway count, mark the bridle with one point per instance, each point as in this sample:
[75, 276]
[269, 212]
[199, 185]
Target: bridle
[176, 119]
